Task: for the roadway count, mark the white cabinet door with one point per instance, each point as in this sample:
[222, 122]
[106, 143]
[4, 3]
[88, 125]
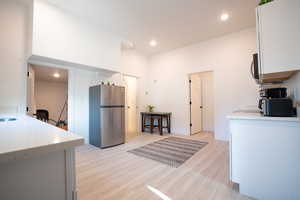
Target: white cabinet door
[278, 26]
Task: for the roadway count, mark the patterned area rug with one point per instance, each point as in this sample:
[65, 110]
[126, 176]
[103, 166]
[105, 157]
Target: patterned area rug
[172, 151]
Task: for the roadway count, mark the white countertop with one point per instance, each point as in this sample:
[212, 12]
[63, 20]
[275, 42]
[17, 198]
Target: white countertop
[258, 116]
[28, 137]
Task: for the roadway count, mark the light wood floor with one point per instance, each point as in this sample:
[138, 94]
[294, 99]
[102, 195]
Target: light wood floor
[115, 174]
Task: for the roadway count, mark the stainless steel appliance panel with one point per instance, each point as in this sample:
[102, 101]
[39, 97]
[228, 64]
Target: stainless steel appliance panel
[105, 95]
[117, 96]
[112, 126]
[94, 113]
[112, 95]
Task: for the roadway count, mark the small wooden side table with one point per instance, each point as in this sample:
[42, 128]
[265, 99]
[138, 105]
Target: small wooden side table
[156, 115]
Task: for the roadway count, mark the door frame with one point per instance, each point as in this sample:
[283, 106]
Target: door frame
[190, 99]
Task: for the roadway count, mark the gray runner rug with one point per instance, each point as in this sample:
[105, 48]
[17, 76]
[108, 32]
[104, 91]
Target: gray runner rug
[172, 151]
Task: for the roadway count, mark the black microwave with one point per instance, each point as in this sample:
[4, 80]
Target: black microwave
[255, 67]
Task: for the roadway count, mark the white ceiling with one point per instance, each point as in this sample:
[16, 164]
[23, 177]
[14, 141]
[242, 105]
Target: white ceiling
[173, 23]
[43, 73]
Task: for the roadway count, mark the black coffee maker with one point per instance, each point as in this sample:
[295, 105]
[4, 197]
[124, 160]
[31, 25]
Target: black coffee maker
[275, 103]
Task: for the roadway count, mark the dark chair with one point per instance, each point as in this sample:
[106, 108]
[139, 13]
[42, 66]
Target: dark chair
[153, 122]
[42, 115]
[156, 120]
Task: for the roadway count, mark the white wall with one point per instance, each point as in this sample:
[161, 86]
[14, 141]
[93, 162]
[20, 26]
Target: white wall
[229, 57]
[51, 96]
[79, 83]
[59, 35]
[136, 64]
[15, 47]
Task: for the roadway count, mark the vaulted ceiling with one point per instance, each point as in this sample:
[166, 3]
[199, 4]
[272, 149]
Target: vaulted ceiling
[173, 23]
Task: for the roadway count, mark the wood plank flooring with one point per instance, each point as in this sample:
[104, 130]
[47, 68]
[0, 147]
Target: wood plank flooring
[115, 174]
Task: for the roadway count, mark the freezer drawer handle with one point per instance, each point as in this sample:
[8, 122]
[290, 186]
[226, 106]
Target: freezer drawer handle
[113, 106]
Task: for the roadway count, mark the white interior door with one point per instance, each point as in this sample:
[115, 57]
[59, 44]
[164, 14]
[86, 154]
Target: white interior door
[196, 106]
[207, 101]
[131, 106]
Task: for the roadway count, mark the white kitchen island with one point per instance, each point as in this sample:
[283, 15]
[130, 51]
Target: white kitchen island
[37, 161]
[265, 155]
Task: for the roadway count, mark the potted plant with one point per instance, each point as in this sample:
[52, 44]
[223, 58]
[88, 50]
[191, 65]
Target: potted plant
[262, 2]
[150, 108]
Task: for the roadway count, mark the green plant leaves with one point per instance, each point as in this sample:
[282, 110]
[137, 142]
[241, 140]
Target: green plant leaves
[262, 2]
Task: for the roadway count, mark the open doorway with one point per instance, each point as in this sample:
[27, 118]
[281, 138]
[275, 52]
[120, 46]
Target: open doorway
[131, 107]
[201, 102]
[47, 95]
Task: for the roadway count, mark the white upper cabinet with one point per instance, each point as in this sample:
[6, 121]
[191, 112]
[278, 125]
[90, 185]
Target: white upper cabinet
[278, 30]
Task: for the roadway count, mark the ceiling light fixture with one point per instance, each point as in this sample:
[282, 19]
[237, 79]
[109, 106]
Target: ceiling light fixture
[153, 43]
[224, 17]
[56, 75]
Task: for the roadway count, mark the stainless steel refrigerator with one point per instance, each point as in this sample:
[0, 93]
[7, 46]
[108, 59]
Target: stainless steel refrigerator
[107, 115]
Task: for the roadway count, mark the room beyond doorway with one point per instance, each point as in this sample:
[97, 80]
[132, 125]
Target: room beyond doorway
[47, 95]
[201, 87]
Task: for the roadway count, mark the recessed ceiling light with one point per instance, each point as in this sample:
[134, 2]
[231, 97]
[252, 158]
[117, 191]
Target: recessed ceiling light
[224, 17]
[153, 43]
[56, 75]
